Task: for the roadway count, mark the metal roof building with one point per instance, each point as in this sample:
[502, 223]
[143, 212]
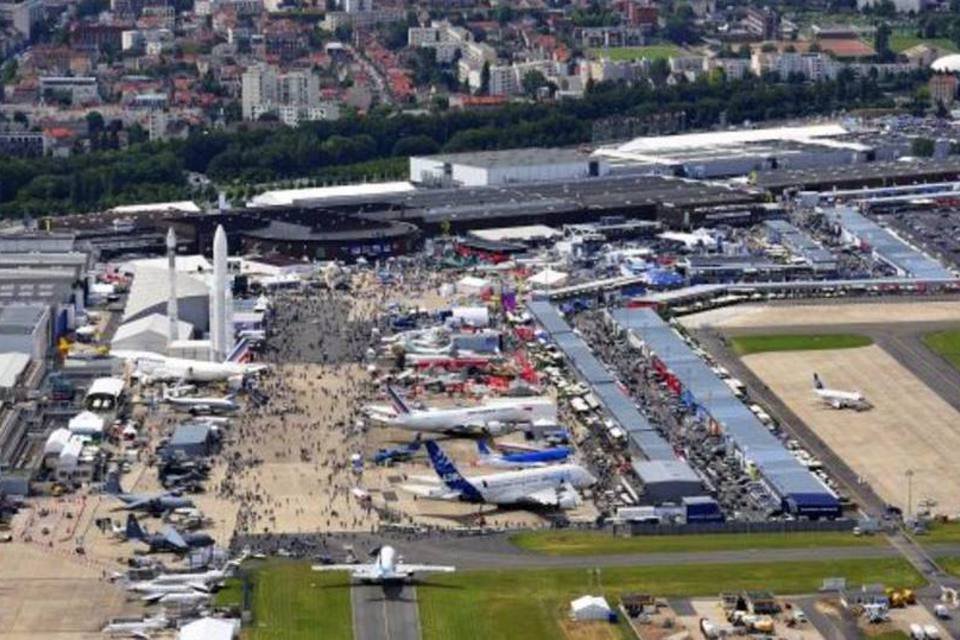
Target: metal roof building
[643, 438]
[802, 244]
[886, 246]
[799, 491]
[667, 480]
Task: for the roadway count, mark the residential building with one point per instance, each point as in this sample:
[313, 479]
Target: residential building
[293, 96]
[903, 6]
[943, 89]
[23, 15]
[764, 23]
[80, 90]
[22, 144]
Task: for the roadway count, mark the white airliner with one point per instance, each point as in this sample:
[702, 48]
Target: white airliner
[490, 417]
[386, 567]
[153, 367]
[840, 399]
[198, 404]
[553, 486]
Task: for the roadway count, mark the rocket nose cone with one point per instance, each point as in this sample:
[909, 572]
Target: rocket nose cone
[220, 235]
[171, 239]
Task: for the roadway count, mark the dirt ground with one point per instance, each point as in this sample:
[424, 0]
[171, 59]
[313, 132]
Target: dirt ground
[712, 611]
[760, 315]
[910, 426]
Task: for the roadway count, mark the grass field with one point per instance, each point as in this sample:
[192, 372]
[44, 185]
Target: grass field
[652, 52]
[532, 604]
[745, 345]
[941, 533]
[291, 602]
[579, 543]
[945, 344]
[903, 41]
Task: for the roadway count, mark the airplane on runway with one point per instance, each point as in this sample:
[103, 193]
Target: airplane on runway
[551, 486]
[534, 458]
[153, 503]
[180, 598]
[485, 418]
[136, 627]
[168, 539]
[840, 399]
[153, 367]
[387, 567]
[195, 404]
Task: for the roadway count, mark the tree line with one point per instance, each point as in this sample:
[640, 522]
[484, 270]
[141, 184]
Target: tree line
[373, 146]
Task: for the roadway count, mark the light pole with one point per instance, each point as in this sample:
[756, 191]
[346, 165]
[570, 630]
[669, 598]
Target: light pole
[909, 474]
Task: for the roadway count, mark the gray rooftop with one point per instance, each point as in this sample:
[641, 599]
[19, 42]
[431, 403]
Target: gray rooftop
[660, 471]
[513, 157]
[802, 244]
[887, 245]
[779, 468]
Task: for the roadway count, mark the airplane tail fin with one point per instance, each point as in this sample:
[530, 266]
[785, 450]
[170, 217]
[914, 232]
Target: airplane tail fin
[417, 443]
[240, 353]
[449, 476]
[817, 382]
[482, 447]
[112, 485]
[134, 530]
[398, 404]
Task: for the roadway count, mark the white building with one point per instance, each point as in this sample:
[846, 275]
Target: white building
[23, 16]
[25, 328]
[590, 608]
[81, 89]
[488, 168]
[903, 6]
[293, 96]
[148, 333]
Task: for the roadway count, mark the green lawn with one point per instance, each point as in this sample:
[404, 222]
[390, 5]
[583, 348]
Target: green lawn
[941, 533]
[580, 543]
[652, 52]
[903, 41]
[945, 344]
[532, 604]
[291, 602]
[745, 345]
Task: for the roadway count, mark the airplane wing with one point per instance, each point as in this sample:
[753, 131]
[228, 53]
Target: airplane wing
[410, 569]
[136, 504]
[199, 586]
[172, 536]
[341, 567]
[431, 492]
[152, 597]
[545, 497]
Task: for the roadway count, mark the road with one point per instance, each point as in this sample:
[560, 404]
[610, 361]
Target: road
[385, 613]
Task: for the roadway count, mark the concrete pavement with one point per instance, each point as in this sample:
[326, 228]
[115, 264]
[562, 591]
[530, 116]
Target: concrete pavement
[384, 612]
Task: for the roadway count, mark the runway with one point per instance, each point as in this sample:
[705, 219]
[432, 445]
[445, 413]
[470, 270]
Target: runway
[384, 613]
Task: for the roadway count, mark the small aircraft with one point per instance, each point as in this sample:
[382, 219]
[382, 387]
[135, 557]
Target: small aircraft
[484, 418]
[195, 404]
[397, 454]
[387, 567]
[552, 486]
[153, 503]
[840, 399]
[141, 628]
[168, 539]
[184, 599]
[534, 458]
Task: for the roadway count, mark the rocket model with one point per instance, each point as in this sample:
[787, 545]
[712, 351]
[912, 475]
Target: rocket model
[172, 310]
[218, 298]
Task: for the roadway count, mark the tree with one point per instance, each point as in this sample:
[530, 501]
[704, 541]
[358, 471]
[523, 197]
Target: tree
[504, 13]
[679, 28]
[922, 147]
[95, 123]
[533, 81]
[881, 42]
[484, 79]
[136, 134]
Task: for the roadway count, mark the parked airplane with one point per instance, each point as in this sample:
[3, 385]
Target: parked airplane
[387, 567]
[149, 587]
[840, 399]
[168, 539]
[397, 454]
[552, 486]
[184, 599]
[535, 458]
[153, 367]
[153, 503]
[195, 404]
[490, 417]
[136, 627]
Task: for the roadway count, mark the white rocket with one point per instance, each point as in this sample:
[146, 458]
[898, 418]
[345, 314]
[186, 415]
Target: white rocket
[173, 312]
[218, 299]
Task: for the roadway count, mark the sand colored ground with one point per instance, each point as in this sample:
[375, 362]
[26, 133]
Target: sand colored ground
[764, 315]
[910, 426]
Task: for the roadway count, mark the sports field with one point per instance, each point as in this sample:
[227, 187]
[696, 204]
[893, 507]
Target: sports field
[945, 344]
[744, 345]
[901, 41]
[534, 603]
[652, 52]
[291, 602]
[582, 543]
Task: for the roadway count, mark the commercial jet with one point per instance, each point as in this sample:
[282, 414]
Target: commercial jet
[154, 367]
[551, 486]
[840, 399]
[522, 459]
[195, 404]
[386, 567]
[484, 418]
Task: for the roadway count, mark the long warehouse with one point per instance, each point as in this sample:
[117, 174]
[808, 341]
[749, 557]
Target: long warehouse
[799, 491]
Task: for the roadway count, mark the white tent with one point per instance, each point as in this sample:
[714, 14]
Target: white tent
[478, 317]
[210, 629]
[472, 285]
[148, 333]
[56, 442]
[86, 424]
[548, 278]
[590, 608]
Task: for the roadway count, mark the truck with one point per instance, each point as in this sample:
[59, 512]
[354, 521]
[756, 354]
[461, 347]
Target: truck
[916, 632]
[931, 632]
